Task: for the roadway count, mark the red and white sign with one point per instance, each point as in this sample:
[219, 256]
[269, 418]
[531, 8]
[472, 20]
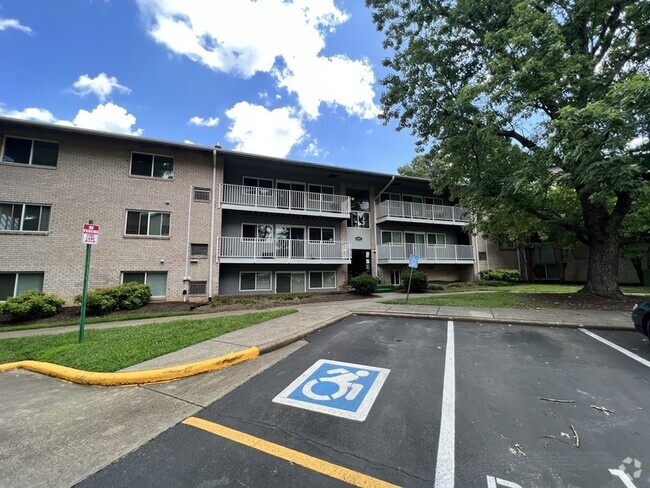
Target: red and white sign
[90, 234]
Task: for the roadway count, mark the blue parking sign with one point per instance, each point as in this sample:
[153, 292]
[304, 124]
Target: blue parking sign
[414, 259]
[336, 388]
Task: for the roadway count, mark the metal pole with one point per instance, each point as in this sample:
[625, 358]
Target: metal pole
[408, 290]
[84, 293]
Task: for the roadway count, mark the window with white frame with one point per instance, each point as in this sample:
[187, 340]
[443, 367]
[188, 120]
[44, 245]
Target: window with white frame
[319, 280]
[157, 280]
[145, 223]
[394, 197]
[436, 239]
[258, 182]
[412, 198]
[24, 217]
[198, 250]
[13, 284]
[257, 231]
[152, 166]
[433, 200]
[30, 151]
[324, 234]
[255, 281]
[320, 192]
[202, 194]
[391, 237]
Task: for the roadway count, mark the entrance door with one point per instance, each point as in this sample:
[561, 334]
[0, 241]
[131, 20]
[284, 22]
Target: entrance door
[360, 263]
[290, 282]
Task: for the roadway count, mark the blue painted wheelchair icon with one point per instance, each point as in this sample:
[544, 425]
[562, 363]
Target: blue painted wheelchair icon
[335, 388]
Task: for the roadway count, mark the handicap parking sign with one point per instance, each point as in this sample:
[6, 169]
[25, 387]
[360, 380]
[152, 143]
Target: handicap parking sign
[336, 388]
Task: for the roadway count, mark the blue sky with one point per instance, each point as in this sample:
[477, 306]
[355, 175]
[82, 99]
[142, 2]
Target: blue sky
[289, 79]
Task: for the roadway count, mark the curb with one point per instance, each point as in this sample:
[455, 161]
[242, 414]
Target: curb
[565, 325]
[133, 377]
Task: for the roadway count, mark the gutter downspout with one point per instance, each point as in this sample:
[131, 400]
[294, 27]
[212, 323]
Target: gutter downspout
[392, 178]
[187, 247]
[212, 217]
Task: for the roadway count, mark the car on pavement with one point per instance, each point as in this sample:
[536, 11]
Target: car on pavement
[641, 317]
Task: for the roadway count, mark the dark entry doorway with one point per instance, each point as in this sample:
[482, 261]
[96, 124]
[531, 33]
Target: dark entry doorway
[360, 263]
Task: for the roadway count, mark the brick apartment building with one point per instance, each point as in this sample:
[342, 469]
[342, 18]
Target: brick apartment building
[202, 221]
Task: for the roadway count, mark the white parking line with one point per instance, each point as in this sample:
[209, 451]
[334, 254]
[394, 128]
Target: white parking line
[445, 464]
[629, 354]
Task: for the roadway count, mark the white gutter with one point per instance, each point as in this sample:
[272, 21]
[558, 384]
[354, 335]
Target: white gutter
[214, 202]
[392, 178]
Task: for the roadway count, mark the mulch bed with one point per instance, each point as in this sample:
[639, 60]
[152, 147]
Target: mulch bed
[580, 301]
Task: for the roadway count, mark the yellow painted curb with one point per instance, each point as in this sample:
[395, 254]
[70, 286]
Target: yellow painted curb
[133, 377]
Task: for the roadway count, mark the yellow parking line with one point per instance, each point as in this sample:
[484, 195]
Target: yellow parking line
[309, 462]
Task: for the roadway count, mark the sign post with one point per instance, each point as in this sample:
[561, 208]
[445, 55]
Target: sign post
[90, 237]
[413, 263]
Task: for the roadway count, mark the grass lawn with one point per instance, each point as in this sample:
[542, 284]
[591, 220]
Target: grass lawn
[110, 350]
[465, 299]
[560, 288]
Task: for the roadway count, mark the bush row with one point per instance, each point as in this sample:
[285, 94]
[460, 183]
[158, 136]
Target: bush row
[121, 297]
[509, 275]
[32, 304]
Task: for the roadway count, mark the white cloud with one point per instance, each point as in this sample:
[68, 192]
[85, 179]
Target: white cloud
[256, 129]
[107, 117]
[637, 142]
[31, 113]
[187, 141]
[102, 86]
[14, 24]
[201, 122]
[279, 37]
[314, 150]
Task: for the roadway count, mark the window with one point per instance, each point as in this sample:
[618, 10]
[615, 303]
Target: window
[199, 250]
[258, 182]
[12, 284]
[202, 194]
[322, 279]
[413, 238]
[436, 239]
[314, 190]
[198, 287]
[394, 197]
[482, 256]
[391, 237]
[360, 205]
[157, 280]
[505, 243]
[24, 217]
[325, 234]
[412, 198]
[147, 223]
[152, 166]
[257, 231]
[30, 151]
[255, 281]
[433, 200]
[395, 277]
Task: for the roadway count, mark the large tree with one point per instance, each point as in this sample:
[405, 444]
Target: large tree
[538, 106]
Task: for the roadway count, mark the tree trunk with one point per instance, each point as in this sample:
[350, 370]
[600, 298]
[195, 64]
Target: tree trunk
[602, 230]
[637, 262]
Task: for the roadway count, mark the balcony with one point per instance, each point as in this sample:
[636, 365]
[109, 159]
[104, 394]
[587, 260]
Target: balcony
[395, 211]
[273, 200]
[450, 254]
[272, 251]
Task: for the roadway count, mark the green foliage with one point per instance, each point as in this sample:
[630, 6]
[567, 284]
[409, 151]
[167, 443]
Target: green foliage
[435, 287]
[534, 116]
[507, 275]
[418, 281]
[364, 284]
[32, 304]
[127, 296]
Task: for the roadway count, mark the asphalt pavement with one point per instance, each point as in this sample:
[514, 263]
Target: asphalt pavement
[59, 434]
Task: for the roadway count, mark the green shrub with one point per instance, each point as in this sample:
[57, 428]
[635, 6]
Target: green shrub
[435, 287]
[493, 283]
[418, 282]
[32, 304]
[510, 275]
[364, 284]
[127, 296]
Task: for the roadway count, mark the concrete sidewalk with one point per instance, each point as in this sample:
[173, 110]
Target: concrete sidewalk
[55, 434]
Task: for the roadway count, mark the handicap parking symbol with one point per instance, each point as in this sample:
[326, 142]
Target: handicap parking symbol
[336, 388]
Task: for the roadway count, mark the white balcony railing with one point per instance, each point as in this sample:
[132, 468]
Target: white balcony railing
[419, 212]
[245, 249]
[391, 253]
[284, 201]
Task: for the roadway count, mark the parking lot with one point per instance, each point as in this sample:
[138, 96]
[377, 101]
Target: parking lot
[436, 403]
